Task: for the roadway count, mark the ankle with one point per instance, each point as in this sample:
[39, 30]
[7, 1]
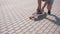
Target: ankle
[49, 10]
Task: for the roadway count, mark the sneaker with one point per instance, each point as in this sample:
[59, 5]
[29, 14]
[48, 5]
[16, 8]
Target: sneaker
[49, 12]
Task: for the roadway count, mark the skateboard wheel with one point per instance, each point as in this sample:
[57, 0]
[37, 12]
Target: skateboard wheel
[30, 18]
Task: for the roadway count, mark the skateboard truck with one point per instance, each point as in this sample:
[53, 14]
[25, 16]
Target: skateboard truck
[36, 16]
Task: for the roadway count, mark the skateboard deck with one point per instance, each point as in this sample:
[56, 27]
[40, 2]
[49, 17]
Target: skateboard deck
[36, 16]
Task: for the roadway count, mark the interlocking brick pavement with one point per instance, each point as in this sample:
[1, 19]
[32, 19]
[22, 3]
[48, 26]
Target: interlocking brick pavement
[14, 18]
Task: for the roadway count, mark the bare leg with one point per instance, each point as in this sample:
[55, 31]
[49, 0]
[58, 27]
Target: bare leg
[39, 4]
[49, 7]
[39, 7]
[45, 4]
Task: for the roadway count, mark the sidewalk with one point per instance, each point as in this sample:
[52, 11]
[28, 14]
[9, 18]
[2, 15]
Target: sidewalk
[14, 18]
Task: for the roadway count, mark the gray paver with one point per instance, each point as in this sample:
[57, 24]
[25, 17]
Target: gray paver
[14, 18]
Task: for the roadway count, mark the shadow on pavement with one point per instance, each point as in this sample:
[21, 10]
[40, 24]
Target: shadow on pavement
[57, 21]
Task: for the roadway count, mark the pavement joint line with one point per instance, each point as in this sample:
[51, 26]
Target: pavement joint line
[46, 28]
[50, 29]
[55, 29]
[42, 26]
[31, 28]
[22, 27]
[5, 4]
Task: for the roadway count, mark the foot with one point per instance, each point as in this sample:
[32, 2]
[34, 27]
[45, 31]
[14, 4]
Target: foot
[39, 12]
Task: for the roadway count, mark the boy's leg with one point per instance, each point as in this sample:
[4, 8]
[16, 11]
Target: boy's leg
[39, 7]
[39, 4]
[45, 4]
[49, 6]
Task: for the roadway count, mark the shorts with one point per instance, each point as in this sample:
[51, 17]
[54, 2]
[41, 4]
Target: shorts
[51, 1]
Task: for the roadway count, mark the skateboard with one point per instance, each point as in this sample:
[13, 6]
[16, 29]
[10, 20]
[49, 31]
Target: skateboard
[37, 17]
